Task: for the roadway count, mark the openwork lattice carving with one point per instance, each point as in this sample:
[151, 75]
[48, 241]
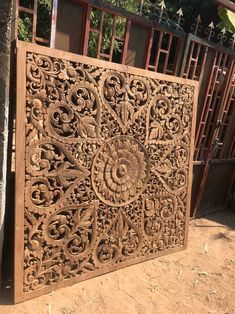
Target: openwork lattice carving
[106, 168]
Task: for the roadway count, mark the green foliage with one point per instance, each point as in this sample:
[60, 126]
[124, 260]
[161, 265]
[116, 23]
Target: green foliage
[43, 20]
[228, 19]
[25, 27]
[93, 44]
[106, 33]
[129, 5]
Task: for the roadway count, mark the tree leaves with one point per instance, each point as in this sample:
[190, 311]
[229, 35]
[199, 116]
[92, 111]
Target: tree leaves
[43, 20]
[228, 19]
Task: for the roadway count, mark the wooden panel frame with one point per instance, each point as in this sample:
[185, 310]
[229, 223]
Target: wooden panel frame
[22, 49]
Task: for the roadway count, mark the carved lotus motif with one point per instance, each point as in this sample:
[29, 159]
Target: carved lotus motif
[120, 171]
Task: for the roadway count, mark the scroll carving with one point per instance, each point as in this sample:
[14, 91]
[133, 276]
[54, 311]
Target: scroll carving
[122, 241]
[107, 167]
[124, 96]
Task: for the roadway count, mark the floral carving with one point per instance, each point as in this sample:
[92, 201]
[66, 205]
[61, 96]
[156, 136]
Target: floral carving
[171, 168]
[106, 169]
[125, 96]
[77, 117]
[120, 171]
[74, 228]
[119, 243]
[54, 172]
[164, 126]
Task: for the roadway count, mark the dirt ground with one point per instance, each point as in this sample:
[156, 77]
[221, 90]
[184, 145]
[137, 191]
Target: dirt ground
[198, 280]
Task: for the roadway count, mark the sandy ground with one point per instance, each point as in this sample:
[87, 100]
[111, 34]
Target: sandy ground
[198, 280]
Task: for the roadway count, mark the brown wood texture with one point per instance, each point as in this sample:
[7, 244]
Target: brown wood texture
[103, 167]
[136, 52]
[69, 30]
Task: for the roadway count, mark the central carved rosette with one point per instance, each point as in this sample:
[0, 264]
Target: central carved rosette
[120, 171]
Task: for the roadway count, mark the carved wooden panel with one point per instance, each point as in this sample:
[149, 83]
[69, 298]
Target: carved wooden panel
[103, 170]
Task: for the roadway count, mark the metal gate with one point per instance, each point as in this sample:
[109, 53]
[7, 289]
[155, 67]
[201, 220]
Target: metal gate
[206, 54]
[103, 167]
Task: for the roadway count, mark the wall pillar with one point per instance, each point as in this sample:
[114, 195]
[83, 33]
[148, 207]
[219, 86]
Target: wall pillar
[6, 8]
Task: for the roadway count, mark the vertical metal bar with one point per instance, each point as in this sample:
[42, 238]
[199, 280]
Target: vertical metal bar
[196, 62]
[225, 101]
[202, 121]
[230, 102]
[178, 58]
[34, 28]
[212, 104]
[146, 47]
[113, 38]
[202, 186]
[229, 138]
[231, 153]
[149, 48]
[206, 106]
[100, 35]
[224, 92]
[168, 53]
[86, 31]
[232, 149]
[126, 41]
[53, 23]
[189, 59]
[221, 118]
[205, 54]
[158, 51]
[185, 55]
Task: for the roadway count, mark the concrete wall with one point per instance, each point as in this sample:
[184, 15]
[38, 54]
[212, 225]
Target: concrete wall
[5, 45]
